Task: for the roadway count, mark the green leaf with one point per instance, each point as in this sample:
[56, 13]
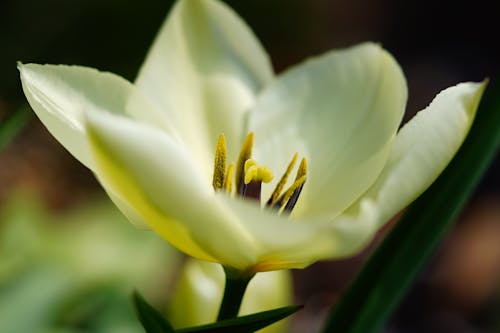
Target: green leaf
[151, 320]
[245, 324]
[29, 300]
[390, 271]
[11, 126]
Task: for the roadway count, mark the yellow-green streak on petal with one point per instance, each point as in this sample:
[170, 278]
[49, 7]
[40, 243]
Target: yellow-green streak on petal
[169, 229]
[273, 265]
[219, 163]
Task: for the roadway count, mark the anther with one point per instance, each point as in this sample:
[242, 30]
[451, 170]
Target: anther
[279, 187]
[228, 181]
[219, 163]
[286, 202]
[245, 154]
[295, 190]
[249, 176]
[302, 171]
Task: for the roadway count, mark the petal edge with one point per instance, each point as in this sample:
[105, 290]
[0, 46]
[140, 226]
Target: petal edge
[424, 147]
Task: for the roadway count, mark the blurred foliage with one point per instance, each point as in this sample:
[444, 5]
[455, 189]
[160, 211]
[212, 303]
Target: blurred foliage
[11, 126]
[75, 272]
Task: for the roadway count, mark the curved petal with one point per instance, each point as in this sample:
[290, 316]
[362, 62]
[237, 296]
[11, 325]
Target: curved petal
[340, 110]
[423, 148]
[157, 177]
[204, 70]
[160, 181]
[61, 95]
[284, 243]
[124, 207]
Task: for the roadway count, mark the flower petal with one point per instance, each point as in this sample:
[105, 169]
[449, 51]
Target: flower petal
[423, 148]
[61, 95]
[158, 179]
[340, 110]
[285, 243]
[204, 70]
[156, 176]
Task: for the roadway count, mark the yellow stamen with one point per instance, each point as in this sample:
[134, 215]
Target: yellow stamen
[219, 163]
[248, 176]
[302, 169]
[256, 173]
[282, 182]
[291, 190]
[245, 154]
[228, 181]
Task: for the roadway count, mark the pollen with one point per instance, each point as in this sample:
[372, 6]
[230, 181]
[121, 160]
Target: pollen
[228, 180]
[286, 201]
[292, 194]
[302, 169]
[219, 163]
[249, 176]
[245, 154]
[281, 184]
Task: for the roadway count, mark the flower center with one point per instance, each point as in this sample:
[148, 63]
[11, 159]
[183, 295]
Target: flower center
[248, 177]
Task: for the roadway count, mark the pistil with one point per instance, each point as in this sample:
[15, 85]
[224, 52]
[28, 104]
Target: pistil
[255, 175]
[249, 177]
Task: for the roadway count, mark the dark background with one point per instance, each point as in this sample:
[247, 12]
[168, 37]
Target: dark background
[438, 44]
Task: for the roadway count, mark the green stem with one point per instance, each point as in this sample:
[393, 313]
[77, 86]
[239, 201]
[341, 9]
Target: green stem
[234, 290]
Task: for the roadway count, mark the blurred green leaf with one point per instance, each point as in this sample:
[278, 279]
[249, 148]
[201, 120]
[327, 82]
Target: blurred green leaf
[390, 271]
[151, 320]
[31, 301]
[154, 322]
[100, 309]
[245, 324]
[11, 126]
[71, 273]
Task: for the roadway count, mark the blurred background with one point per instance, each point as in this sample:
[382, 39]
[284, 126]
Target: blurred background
[438, 44]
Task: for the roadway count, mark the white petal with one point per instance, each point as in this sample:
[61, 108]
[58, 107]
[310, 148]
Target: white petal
[61, 95]
[423, 148]
[204, 70]
[341, 111]
[287, 243]
[157, 177]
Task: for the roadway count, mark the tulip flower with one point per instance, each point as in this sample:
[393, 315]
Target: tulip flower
[233, 164]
